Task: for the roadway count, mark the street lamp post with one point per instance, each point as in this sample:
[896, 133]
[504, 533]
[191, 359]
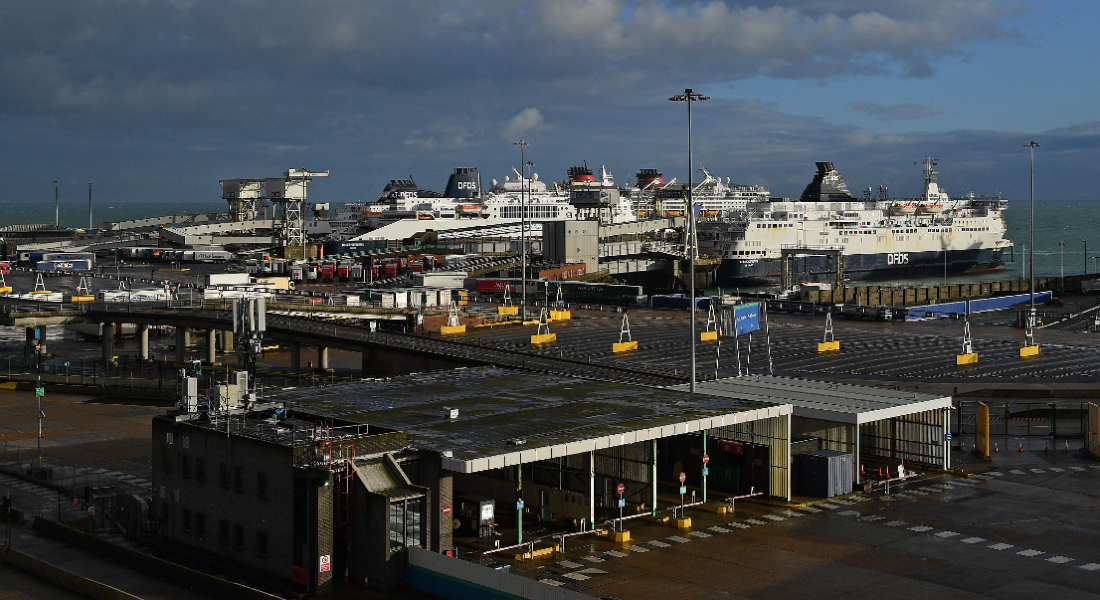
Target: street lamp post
[1086, 243]
[1031, 268]
[56, 211]
[89, 205]
[690, 96]
[522, 231]
[1062, 263]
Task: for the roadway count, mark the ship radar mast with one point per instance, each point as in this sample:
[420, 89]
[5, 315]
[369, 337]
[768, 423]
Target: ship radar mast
[930, 174]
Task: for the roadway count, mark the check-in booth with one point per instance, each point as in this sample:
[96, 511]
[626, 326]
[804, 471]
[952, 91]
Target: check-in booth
[866, 422]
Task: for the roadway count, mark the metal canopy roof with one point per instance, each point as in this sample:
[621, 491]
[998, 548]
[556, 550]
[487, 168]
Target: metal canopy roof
[841, 402]
[510, 417]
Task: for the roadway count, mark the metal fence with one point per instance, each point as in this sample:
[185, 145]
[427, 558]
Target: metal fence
[1025, 419]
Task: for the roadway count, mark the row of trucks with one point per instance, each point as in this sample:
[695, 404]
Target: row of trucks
[167, 255]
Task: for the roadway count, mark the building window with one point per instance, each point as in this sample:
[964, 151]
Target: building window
[200, 525]
[223, 532]
[200, 469]
[405, 523]
[187, 520]
[166, 460]
[223, 476]
[185, 466]
[261, 485]
[238, 537]
[261, 543]
[238, 478]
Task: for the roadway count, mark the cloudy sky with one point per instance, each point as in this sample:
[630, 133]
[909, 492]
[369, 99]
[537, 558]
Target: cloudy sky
[155, 100]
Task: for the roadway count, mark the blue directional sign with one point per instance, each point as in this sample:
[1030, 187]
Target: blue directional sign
[746, 318]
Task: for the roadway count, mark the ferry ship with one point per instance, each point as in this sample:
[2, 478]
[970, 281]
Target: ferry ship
[405, 209]
[652, 197]
[878, 238]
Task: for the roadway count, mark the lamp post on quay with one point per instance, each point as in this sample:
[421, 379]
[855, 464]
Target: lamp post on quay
[690, 96]
[522, 230]
[1030, 337]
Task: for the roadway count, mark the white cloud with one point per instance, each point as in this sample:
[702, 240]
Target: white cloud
[527, 120]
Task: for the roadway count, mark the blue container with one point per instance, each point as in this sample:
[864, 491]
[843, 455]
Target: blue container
[672, 302]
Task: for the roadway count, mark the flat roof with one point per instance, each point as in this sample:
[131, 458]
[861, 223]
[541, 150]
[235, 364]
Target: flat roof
[842, 402]
[508, 417]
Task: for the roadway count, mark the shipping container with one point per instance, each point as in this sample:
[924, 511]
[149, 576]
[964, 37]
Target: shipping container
[824, 473]
[395, 299]
[670, 302]
[496, 286]
[64, 265]
[227, 279]
[446, 280]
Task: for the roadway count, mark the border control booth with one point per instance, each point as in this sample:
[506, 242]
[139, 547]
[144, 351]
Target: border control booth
[865, 422]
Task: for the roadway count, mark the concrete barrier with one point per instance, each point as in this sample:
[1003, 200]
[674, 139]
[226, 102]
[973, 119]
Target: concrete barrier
[177, 574]
[62, 578]
[456, 579]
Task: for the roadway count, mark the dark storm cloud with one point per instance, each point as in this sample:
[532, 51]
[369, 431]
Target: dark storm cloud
[194, 90]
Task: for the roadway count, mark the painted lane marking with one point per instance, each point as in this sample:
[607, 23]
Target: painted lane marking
[972, 540]
[1029, 553]
[1060, 559]
[1000, 546]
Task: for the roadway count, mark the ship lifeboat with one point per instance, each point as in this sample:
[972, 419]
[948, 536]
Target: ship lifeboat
[673, 213]
[469, 208]
[903, 209]
[710, 213]
[929, 209]
[425, 217]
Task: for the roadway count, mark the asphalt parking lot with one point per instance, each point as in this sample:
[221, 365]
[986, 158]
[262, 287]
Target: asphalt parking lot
[1010, 532]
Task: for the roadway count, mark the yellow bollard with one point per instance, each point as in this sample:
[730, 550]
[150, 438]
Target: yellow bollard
[966, 359]
[708, 336]
[828, 346]
[545, 338]
[1029, 351]
[452, 329]
[507, 310]
[560, 315]
[619, 347]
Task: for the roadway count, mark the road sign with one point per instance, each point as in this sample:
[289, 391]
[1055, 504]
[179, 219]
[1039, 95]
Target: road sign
[622, 488]
[622, 502]
[706, 458]
[326, 562]
[519, 504]
[683, 489]
[949, 436]
[683, 477]
[706, 471]
[91, 511]
[67, 364]
[446, 510]
[39, 391]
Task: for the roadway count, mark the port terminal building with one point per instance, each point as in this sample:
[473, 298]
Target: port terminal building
[310, 486]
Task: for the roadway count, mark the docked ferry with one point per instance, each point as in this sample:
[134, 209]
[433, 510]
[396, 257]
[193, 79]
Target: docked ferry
[874, 237]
